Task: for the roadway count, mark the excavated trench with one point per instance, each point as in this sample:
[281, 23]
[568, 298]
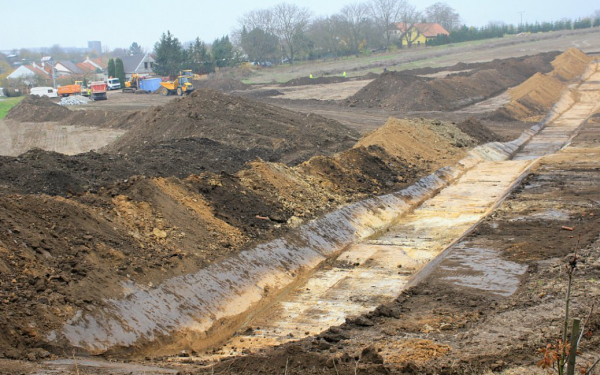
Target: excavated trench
[371, 251]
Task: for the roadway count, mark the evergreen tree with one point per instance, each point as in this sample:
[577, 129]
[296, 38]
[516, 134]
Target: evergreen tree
[259, 45]
[135, 49]
[170, 55]
[120, 71]
[111, 68]
[198, 58]
[223, 53]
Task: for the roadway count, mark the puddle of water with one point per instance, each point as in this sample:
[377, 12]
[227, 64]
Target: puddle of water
[482, 269]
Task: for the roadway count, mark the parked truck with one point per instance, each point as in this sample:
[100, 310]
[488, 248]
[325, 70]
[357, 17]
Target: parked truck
[98, 90]
[68, 90]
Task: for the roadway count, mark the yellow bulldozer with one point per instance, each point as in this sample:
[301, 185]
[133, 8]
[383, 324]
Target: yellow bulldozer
[182, 85]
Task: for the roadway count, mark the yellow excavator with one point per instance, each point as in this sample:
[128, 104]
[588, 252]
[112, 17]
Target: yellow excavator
[182, 85]
[132, 85]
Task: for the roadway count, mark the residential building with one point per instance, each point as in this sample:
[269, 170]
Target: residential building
[65, 67]
[417, 34]
[30, 74]
[140, 64]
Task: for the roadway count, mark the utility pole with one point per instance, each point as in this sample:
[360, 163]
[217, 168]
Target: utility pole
[521, 13]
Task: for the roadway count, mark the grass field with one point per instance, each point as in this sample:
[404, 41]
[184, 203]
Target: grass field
[7, 103]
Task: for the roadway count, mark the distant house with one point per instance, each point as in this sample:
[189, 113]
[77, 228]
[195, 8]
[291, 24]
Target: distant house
[417, 34]
[97, 63]
[29, 74]
[65, 67]
[140, 64]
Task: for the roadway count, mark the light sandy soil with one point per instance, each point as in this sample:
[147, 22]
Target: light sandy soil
[17, 138]
[332, 91]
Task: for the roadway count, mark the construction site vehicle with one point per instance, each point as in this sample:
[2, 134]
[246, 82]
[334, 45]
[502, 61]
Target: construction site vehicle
[68, 90]
[182, 85]
[133, 84]
[85, 91]
[98, 90]
[113, 83]
[44, 91]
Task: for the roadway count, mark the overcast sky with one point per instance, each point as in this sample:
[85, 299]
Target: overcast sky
[118, 23]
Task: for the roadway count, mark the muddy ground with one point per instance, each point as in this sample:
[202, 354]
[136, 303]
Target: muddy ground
[220, 181]
[449, 326]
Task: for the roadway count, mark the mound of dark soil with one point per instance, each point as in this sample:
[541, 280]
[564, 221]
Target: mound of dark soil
[42, 109]
[221, 84]
[404, 91]
[237, 122]
[47, 172]
[37, 109]
[478, 131]
[369, 75]
[260, 93]
[303, 81]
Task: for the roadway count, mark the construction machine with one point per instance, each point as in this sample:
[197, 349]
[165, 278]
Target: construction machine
[98, 90]
[182, 85]
[133, 84]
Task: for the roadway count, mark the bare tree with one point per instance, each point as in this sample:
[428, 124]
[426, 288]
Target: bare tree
[409, 17]
[328, 35]
[385, 13]
[290, 23]
[443, 14]
[356, 18]
[256, 19]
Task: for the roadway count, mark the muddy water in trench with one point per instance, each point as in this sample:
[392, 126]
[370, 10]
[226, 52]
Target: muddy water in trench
[375, 271]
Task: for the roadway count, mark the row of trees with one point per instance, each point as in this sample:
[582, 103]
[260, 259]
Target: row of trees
[172, 56]
[500, 29]
[116, 69]
[287, 31]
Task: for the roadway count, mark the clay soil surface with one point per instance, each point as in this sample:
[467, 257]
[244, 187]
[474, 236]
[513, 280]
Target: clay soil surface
[193, 180]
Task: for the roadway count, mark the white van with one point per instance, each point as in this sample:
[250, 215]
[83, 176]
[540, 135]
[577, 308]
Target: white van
[45, 91]
[113, 84]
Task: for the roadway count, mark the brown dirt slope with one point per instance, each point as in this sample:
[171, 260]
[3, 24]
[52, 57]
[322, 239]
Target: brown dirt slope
[37, 109]
[405, 91]
[416, 141]
[303, 81]
[221, 84]
[476, 130]
[42, 109]
[237, 121]
[531, 100]
[59, 254]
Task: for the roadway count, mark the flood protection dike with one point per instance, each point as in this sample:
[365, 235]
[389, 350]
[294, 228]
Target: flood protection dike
[370, 239]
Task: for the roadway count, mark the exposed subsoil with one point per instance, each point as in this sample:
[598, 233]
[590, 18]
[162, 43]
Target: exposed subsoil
[441, 327]
[410, 92]
[59, 254]
[221, 174]
[531, 100]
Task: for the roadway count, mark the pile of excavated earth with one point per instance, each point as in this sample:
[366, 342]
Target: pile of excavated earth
[209, 175]
[408, 91]
[531, 100]
[145, 210]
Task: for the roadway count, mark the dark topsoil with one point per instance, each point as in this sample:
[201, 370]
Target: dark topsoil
[207, 131]
[409, 92]
[237, 121]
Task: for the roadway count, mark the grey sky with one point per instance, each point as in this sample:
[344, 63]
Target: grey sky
[118, 23]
